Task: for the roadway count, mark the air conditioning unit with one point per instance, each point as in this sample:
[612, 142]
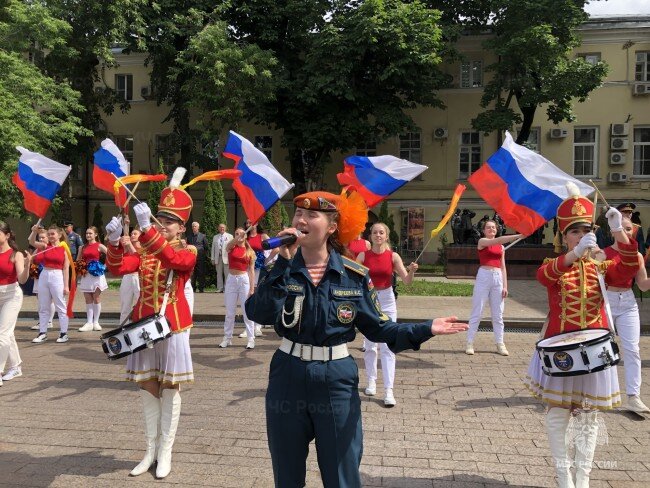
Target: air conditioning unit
[440, 133]
[620, 129]
[558, 133]
[618, 143]
[617, 158]
[641, 89]
[145, 92]
[616, 177]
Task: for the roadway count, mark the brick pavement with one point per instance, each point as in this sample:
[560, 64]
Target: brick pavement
[460, 421]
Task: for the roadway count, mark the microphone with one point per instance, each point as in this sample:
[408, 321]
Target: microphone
[273, 242]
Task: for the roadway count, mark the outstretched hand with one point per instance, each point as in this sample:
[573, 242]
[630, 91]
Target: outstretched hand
[447, 325]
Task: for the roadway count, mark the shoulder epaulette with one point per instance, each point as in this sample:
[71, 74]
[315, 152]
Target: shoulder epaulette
[354, 266]
[546, 260]
[192, 249]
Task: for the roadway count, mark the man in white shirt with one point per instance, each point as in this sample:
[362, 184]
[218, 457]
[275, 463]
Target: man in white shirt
[219, 256]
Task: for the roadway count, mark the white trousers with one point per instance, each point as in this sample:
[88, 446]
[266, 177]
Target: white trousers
[389, 307]
[50, 289]
[222, 272]
[129, 293]
[11, 299]
[488, 286]
[189, 295]
[237, 288]
[625, 313]
[52, 309]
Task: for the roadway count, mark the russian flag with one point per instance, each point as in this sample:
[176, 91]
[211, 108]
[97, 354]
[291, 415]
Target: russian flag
[376, 177]
[260, 185]
[39, 179]
[523, 187]
[109, 159]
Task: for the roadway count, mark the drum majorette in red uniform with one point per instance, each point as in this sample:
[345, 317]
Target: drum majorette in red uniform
[576, 303]
[159, 371]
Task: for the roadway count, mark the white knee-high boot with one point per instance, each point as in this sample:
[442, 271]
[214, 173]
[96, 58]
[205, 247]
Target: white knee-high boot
[557, 420]
[151, 408]
[585, 448]
[170, 413]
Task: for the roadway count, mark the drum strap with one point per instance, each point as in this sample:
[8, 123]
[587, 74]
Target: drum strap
[608, 309]
[163, 306]
[542, 332]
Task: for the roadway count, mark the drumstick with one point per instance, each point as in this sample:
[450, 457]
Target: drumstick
[124, 211]
[136, 199]
[601, 195]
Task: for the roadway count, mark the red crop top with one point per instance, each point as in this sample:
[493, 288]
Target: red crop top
[237, 259]
[256, 242]
[357, 246]
[90, 252]
[616, 281]
[52, 257]
[7, 268]
[491, 255]
[380, 268]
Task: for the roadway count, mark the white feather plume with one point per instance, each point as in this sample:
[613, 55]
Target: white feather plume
[573, 189]
[177, 177]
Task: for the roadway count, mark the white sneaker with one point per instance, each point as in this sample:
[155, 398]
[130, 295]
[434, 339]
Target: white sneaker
[501, 349]
[35, 327]
[62, 338]
[12, 373]
[87, 327]
[372, 388]
[258, 331]
[243, 334]
[40, 338]
[225, 343]
[96, 326]
[251, 344]
[389, 399]
[635, 404]
[469, 349]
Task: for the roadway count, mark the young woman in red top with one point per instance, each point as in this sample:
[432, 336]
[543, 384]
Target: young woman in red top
[254, 238]
[381, 263]
[53, 282]
[13, 270]
[358, 246]
[491, 284]
[240, 284]
[93, 283]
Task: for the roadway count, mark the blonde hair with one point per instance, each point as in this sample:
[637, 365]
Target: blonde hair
[386, 245]
[250, 253]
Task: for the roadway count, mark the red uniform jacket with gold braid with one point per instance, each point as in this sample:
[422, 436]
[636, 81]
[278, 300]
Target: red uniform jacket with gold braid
[153, 264]
[574, 295]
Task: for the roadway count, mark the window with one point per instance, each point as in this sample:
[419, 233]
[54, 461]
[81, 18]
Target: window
[409, 147]
[642, 68]
[585, 151]
[533, 141]
[125, 144]
[165, 151]
[641, 151]
[124, 87]
[591, 58]
[471, 74]
[265, 144]
[367, 148]
[469, 157]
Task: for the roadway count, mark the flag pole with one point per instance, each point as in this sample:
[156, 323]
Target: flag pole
[423, 249]
[512, 244]
[137, 200]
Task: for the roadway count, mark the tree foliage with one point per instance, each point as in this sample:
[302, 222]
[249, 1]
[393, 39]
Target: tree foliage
[155, 190]
[214, 209]
[275, 218]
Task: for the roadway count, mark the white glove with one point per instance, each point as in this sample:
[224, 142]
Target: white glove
[587, 241]
[614, 219]
[143, 214]
[114, 230]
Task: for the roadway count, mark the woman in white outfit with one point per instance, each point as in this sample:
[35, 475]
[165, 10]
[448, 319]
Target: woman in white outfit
[240, 284]
[93, 282]
[13, 270]
[41, 237]
[53, 282]
[491, 284]
[130, 286]
[381, 263]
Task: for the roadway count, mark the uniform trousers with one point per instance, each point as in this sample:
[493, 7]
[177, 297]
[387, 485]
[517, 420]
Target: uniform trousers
[11, 299]
[50, 289]
[625, 313]
[52, 309]
[129, 293]
[389, 307]
[488, 287]
[237, 288]
[222, 272]
[314, 399]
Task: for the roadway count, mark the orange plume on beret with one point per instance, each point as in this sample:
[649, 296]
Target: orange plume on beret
[353, 215]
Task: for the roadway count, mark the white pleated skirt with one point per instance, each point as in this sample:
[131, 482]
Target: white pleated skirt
[168, 361]
[89, 283]
[595, 390]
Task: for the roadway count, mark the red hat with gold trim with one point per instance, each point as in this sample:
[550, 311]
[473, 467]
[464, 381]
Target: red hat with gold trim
[175, 203]
[574, 210]
[352, 209]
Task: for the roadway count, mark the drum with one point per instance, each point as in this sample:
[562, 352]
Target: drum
[134, 337]
[576, 353]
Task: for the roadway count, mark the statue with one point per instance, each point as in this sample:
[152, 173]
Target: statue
[456, 231]
[468, 230]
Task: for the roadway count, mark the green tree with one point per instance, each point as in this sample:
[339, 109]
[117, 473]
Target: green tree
[387, 218]
[214, 211]
[98, 221]
[533, 40]
[155, 189]
[37, 111]
[275, 218]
